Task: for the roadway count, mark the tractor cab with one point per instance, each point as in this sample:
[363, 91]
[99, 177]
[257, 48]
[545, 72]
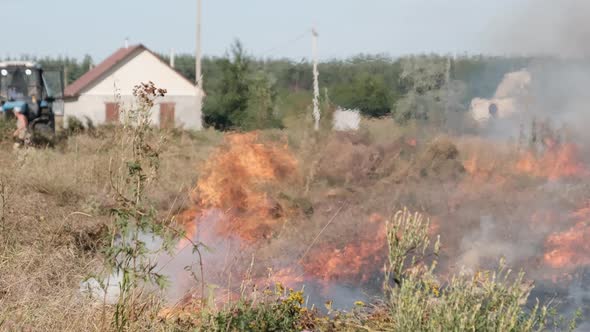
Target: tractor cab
[26, 88]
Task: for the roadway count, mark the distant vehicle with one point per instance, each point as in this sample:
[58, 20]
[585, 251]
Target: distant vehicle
[26, 88]
[508, 100]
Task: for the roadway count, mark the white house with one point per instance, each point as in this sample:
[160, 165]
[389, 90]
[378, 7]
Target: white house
[92, 96]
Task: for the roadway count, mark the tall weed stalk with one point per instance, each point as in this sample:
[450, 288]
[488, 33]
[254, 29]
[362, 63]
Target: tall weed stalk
[129, 256]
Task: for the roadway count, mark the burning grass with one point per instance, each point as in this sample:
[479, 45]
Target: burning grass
[233, 180]
[312, 215]
[568, 249]
[558, 161]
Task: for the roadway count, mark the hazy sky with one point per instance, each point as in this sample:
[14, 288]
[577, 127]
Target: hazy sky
[266, 27]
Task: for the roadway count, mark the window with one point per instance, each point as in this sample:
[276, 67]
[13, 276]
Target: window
[19, 83]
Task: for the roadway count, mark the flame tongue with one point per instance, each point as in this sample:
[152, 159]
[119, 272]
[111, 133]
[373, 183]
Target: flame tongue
[557, 162]
[570, 249]
[357, 261]
[234, 179]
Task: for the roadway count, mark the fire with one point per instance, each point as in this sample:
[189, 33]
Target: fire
[356, 262]
[288, 276]
[190, 227]
[235, 200]
[557, 162]
[234, 181]
[477, 170]
[483, 170]
[570, 249]
[359, 261]
[471, 165]
[412, 142]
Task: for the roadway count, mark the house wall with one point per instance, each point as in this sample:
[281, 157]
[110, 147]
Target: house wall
[93, 107]
[141, 67]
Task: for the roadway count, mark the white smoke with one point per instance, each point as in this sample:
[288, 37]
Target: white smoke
[509, 99]
[181, 267]
[544, 27]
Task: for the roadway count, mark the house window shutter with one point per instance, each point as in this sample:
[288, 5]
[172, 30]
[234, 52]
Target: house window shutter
[167, 115]
[111, 112]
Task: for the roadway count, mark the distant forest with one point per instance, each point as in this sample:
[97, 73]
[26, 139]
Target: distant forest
[481, 74]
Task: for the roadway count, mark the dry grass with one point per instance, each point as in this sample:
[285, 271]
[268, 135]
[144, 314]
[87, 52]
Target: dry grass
[57, 211]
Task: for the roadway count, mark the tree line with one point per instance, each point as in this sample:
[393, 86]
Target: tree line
[243, 91]
[246, 92]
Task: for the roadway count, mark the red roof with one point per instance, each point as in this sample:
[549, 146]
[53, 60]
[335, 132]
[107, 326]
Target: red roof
[95, 73]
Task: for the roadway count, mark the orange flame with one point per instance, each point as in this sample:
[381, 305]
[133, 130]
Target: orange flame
[234, 181]
[355, 262]
[475, 169]
[288, 276]
[557, 162]
[187, 219]
[570, 249]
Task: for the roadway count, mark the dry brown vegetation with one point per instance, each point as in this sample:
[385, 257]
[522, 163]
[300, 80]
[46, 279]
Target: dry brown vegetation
[58, 204]
[57, 212]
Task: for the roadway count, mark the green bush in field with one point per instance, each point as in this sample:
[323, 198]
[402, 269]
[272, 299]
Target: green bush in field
[281, 310]
[74, 126]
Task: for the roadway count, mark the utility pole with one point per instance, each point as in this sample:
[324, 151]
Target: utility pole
[448, 89]
[198, 78]
[65, 73]
[198, 74]
[316, 74]
[172, 55]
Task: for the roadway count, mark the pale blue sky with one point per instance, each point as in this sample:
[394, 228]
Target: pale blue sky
[266, 27]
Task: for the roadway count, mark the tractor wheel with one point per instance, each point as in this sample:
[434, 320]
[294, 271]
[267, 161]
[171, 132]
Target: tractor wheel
[43, 133]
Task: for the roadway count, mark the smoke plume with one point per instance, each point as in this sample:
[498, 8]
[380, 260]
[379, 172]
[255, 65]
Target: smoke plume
[544, 27]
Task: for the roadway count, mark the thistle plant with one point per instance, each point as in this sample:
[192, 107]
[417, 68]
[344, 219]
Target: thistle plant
[134, 218]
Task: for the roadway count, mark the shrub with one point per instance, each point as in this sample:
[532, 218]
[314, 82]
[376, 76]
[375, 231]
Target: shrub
[281, 310]
[417, 300]
[74, 126]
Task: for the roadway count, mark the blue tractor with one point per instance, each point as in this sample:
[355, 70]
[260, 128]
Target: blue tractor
[27, 89]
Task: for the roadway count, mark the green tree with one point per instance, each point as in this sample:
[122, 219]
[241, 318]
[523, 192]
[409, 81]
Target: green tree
[261, 111]
[224, 109]
[423, 78]
[243, 98]
[367, 93]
